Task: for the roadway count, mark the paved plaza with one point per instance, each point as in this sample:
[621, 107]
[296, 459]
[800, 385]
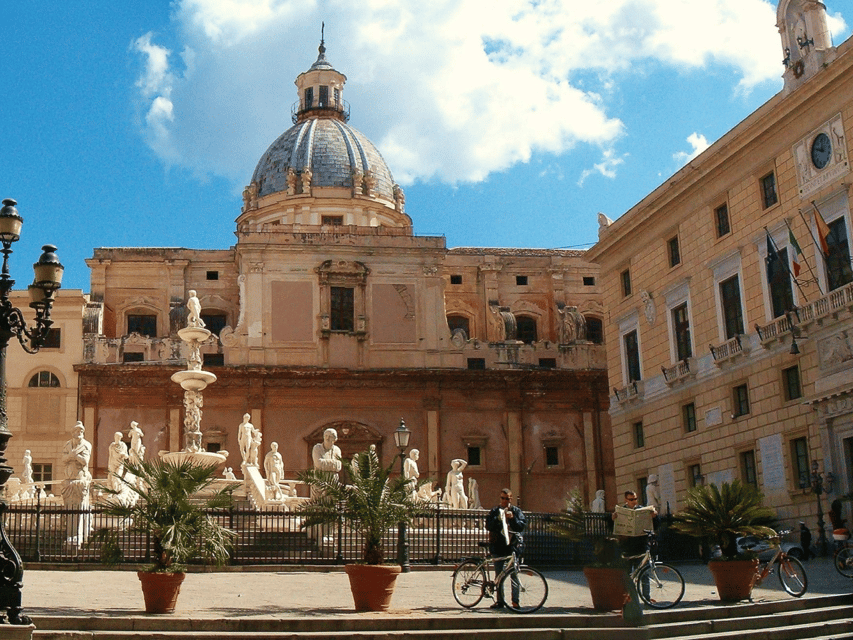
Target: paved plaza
[302, 593]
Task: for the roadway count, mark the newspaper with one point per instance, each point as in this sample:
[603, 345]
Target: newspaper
[633, 522]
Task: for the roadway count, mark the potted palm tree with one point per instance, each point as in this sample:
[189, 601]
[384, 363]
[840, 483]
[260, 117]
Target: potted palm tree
[721, 515]
[163, 505]
[606, 574]
[372, 503]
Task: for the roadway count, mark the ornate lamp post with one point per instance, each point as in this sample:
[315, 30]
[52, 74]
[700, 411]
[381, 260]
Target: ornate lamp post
[48, 276]
[821, 483]
[401, 439]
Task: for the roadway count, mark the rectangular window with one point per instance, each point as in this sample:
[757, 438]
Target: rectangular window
[474, 459]
[341, 309]
[552, 456]
[639, 436]
[768, 190]
[43, 472]
[626, 283]
[642, 483]
[548, 363]
[144, 325]
[694, 475]
[838, 267]
[681, 327]
[791, 382]
[588, 281]
[213, 359]
[456, 279]
[337, 95]
[477, 363]
[53, 339]
[688, 417]
[137, 356]
[632, 356]
[779, 283]
[332, 221]
[309, 98]
[721, 217]
[212, 275]
[521, 281]
[213, 447]
[800, 462]
[324, 96]
[673, 251]
[214, 322]
[747, 468]
[732, 312]
[740, 400]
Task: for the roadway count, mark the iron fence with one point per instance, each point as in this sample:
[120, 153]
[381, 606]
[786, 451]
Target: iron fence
[46, 533]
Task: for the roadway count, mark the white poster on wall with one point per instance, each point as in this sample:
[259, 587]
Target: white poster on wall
[772, 463]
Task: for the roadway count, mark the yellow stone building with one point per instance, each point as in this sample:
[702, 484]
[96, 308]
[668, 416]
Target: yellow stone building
[730, 352]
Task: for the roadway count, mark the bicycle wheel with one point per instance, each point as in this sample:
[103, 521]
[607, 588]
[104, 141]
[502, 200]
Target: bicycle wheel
[469, 583]
[532, 590]
[792, 575]
[844, 561]
[660, 586]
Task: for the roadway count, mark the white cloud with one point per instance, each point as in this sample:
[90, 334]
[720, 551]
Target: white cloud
[449, 89]
[607, 166]
[698, 142]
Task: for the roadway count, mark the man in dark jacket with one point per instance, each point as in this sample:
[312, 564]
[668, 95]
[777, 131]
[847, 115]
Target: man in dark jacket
[505, 524]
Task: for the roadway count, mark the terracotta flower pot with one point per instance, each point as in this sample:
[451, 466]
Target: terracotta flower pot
[372, 585]
[607, 587]
[160, 590]
[734, 578]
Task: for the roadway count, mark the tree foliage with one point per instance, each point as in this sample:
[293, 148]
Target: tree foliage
[372, 503]
[723, 514]
[573, 524]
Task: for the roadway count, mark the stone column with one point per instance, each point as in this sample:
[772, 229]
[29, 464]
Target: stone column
[433, 424]
[515, 445]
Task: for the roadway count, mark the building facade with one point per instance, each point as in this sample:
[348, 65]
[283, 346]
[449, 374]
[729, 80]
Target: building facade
[729, 294]
[330, 312]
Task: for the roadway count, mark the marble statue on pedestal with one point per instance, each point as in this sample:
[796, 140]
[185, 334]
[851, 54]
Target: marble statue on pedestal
[598, 505]
[326, 454]
[228, 473]
[474, 494]
[274, 468]
[411, 472]
[254, 448]
[76, 455]
[653, 492]
[27, 476]
[115, 464]
[245, 433]
[137, 449]
[194, 310]
[454, 490]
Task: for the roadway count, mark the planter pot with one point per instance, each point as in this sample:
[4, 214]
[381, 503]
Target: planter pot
[607, 587]
[160, 590]
[372, 585]
[734, 578]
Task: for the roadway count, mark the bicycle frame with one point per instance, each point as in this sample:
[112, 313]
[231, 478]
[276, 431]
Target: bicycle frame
[488, 563]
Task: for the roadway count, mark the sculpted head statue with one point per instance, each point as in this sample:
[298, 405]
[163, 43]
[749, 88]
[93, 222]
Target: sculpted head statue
[329, 437]
[118, 436]
[274, 446]
[246, 418]
[78, 430]
[414, 454]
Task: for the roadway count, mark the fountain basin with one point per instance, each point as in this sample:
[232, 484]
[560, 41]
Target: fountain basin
[205, 458]
[193, 380]
[193, 334]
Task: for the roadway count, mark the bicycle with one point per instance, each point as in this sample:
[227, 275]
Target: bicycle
[843, 559]
[792, 573]
[658, 584]
[472, 582]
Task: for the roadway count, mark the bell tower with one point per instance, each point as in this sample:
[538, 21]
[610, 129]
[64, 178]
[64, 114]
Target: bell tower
[806, 41]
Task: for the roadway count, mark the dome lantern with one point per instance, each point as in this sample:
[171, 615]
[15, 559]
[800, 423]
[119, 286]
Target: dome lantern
[320, 91]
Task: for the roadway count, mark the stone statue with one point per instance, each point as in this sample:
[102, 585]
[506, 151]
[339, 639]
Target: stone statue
[291, 181]
[572, 325]
[245, 431]
[653, 492]
[370, 183]
[137, 449]
[306, 180]
[454, 489]
[115, 465]
[194, 309]
[254, 448]
[649, 307]
[411, 472]
[76, 455]
[27, 473]
[474, 494]
[598, 505]
[274, 468]
[228, 473]
[326, 454]
[603, 221]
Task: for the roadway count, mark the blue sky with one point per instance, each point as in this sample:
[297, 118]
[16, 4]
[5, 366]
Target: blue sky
[508, 123]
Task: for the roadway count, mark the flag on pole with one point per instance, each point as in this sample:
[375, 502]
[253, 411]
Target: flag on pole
[795, 258]
[773, 261]
[822, 232]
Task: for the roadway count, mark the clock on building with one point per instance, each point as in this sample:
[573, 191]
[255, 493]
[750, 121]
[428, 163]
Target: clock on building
[821, 150]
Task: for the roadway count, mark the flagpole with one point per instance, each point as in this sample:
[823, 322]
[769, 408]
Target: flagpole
[811, 271]
[787, 268]
[817, 244]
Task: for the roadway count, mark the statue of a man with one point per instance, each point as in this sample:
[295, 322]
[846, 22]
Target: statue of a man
[326, 454]
[454, 490]
[245, 431]
[598, 505]
[27, 473]
[274, 468]
[76, 455]
[115, 464]
[137, 449]
[411, 472]
[254, 448]
[194, 310]
[653, 492]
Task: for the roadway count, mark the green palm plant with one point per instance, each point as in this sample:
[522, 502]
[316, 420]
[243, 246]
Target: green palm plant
[572, 524]
[373, 502]
[164, 506]
[722, 514]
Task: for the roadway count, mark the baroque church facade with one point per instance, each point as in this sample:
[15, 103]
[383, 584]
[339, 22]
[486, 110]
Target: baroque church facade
[330, 312]
[729, 292]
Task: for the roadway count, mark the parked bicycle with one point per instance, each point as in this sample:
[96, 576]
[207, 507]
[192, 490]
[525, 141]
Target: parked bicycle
[659, 585]
[472, 581]
[843, 559]
[792, 573]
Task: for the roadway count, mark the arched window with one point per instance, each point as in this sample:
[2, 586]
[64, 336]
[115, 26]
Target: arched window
[455, 322]
[526, 329]
[594, 330]
[214, 320]
[44, 379]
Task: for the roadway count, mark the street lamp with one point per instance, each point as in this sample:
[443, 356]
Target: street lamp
[401, 439]
[48, 276]
[821, 483]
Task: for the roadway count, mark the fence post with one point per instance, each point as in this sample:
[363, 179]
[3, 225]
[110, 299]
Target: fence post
[38, 526]
[437, 533]
[340, 541]
[232, 557]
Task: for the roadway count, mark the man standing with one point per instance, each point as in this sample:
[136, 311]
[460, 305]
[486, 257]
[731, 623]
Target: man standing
[505, 524]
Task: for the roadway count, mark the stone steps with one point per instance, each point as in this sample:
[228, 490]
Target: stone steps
[794, 619]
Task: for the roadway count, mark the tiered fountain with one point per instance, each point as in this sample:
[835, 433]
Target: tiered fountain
[193, 381]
